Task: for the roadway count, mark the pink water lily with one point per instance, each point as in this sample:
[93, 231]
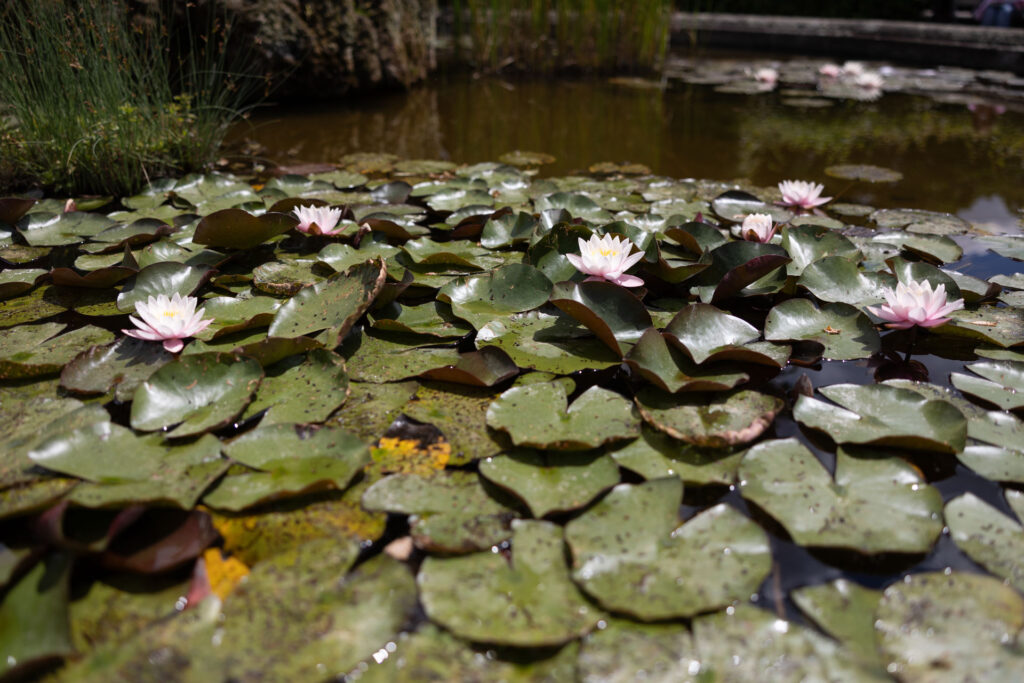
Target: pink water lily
[916, 303]
[801, 193]
[169, 320]
[830, 70]
[607, 258]
[317, 220]
[758, 227]
[767, 75]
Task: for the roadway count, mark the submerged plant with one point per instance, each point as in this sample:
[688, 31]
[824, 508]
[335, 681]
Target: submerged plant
[607, 258]
[169, 320]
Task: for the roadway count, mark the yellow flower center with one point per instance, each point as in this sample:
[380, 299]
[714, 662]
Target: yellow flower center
[170, 314]
[608, 252]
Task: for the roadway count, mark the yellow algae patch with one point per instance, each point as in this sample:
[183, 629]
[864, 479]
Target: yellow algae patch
[407, 456]
[223, 573]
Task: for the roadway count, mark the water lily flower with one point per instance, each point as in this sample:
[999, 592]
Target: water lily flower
[168, 320]
[758, 227]
[606, 258]
[869, 80]
[766, 75]
[830, 70]
[853, 69]
[916, 303]
[802, 194]
[317, 220]
[70, 206]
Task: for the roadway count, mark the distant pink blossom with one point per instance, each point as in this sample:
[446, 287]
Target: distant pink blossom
[607, 258]
[802, 194]
[916, 303]
[758, 227]
[766, 75]
[830, 70]
[169, 320]
[317, 220]
[869, 80]
[70, 205]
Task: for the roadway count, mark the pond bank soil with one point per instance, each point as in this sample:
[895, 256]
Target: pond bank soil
[977, 47]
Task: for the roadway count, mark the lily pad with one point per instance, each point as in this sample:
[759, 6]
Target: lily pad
[661, 569]
[839, 280]
[547, 340]
[855, 510]
[656, 455]
[552, 483]
[671, 370]
[806, 244]
[120, 366]
[513, 288]
[530, 602]
[989, 537]
[1000, 383]
[737, 266]
[709, 334]
[302, 390]
[845, 332]
[613, 314]
[538, 416]
[846, 611]
[33, 617]
[33, 351]
[884, 415]
[624, 650]
[864, 172]
[999, 326]
[161, 278]
[197, 393]
[950, 627]
[719, 422]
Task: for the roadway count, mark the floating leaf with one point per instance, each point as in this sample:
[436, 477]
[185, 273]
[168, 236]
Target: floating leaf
[1001, 383]
[839, 280]
[513, 288]
[999, 326]
[736, 266]
[302, 390]
[655, 455]
[540, 340]
[460, 412]
[987, 536]
[932, 247]
[530, 602]
[709, 334]
[33, 617]
[538, 416]
[950, 627]
[334, 304]
[198, 393]
[670, 370]
[611, 312]
[624, 650]
[845, 332]
[854, 511]
[26, 354]
[665, 570]
[120, 366]
[15, 282]
[161, 278]
[483, 368]
[846, 611]
[556, 483]
[237, 229]
[806, 244]
[726, 420]
[864, 172]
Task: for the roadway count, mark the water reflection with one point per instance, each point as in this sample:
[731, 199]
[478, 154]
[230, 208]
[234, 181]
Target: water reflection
[953, 159]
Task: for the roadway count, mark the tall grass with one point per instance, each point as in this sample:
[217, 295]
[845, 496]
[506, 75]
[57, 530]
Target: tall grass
[96, 101]
[548, 35]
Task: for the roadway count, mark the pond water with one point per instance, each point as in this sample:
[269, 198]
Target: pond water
[970, 163]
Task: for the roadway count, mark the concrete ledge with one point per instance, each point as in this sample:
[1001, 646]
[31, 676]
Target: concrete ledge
[929, 44]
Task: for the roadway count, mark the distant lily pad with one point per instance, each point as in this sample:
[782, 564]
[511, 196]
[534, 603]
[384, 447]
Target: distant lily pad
[717, 422]
[864, 172]
[665, 570]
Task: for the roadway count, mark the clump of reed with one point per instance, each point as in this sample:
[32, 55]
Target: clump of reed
[94, 99]
[550, 35]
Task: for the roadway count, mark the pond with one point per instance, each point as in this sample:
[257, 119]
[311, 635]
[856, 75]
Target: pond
[423, 446]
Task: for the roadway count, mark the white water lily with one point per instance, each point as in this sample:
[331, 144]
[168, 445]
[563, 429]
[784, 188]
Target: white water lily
[916, 303]
[802, 194]
[169, 320]
[830, 70]
[766, 75]
[317, 220]
[758, 227]
[869, 80]
[606, 258]
[853, 69]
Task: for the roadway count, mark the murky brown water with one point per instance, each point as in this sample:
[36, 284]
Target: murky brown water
[953, 160]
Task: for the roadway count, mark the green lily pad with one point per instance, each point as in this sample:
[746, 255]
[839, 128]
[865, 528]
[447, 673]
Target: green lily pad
[334, 304]
[523, 158]
[453, 513]
[507, 229]
[120, 366]
[864, 172]
[845, 332]
[611, 312]
[116, 608]
[742, 269]
[709, 334]
[15, 282]
[577, 205]
[547, 341]
[538, 416]
[624, 651]
[34, 351]
[285, 278]
[378, 357]
[934, 247]
[846, 611]
[529, 602]
[929, 222]
[458, 254]
[54, 230]
[987, 536]
[748, 644]
[556, 483]
[513, 288]
[664, 569]
[460, 413]
[371, 408]
[38, 304]
[27, 424]
[301, 390]
[916, 271]
[33, 617]
[1000, 383]
[838, 280]
[671, 370]
[806, 244]
[291, 461]
[161, 278]
[434, 319]
[950, 627]
[719, 422]
[656, 455]
[855, 510]
[884, 415]
[197, 393]
[484, 368]
[735, 205]
[999, 326]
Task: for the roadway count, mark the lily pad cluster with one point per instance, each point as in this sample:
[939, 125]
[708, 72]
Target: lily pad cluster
[424, 447]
